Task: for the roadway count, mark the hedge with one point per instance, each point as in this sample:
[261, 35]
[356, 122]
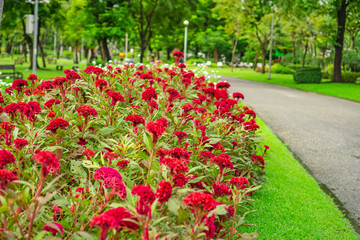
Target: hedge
[308, 75]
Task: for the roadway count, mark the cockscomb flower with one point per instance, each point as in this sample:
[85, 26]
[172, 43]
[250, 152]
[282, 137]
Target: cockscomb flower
[186, 81]
[20, 143]
[59, 81]
[180, 153]
[101, 84]
[149, 94]
[51, 228]
[72, 76]
[6, 157]
[106, 172]
[46, 85]
[57, 123]
[51, 114]
[156, 129]
[48, 104]
[220, 189]
[122, 164]
[86, 111]
[182, 66]
[32, 78]
[181, 135]
[89, 69]
[178, 55]
[82, 142]
[163, 193]
[239, 182]
[162, 152]
[6, 126]
[173, 94]
[49, 161]
[116, 97]
[200, 200]
[6, 177]
[88, 153]
[175, 165]
[117, 186]
[11, 109]
[111, 156]
[206, 155]
[19, 84]
[222, 162]
[258, 160]
[116, 218]
[237, 95]
[30, 109]
[179, 180]
[145, 193]
[153, 105]
[222, 85]
[135, 119]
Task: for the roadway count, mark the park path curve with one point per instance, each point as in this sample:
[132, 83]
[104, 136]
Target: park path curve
[323, 131]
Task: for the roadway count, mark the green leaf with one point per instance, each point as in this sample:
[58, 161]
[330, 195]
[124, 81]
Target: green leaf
[173, 206]
[107, 130]
[85, 235]
[147, 140]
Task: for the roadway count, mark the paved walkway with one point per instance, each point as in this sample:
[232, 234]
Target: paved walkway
[323, 131]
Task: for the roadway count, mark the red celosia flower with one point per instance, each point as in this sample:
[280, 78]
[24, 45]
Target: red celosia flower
[116, 218]
[206, 155]
[116, 97]
[162, 152]
[57, 123]
[198, 184]
[135, 119]
[149, 94]
[18, 85]
[8, 90]
[6, 177]
[86, 111]
[222, 162]
[153, 105]
[51, 114]
[173, 94]
[178, 55]
[11, 109]
[222, 85]
[258, 160]
[32, 78]
[239, 182]
[6, 157]
[111, 156]
[180, 135]
[187, 107]
[220, 189]
[30, 109]
[51, 102]
[180, 154]
[156, 128]
[238, 95]
[186, 81]
[117, 186]
[200, 200]
[82, 142]
[88, 153]
[145, 193]
[1, 108]
[51, 228]
[49, 161]
[106, 172]
[89, 69]
[181, 65]
[122, 164]
[171, 73]
[8, 127]
[20, 143]
[101, 84]
[47, 85]
[59, 81]
[163, 193]
[179, 180]
[175, 165]
[72, 76]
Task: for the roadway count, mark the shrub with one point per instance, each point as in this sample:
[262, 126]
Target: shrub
[278, 68]
[350, 77]
[308, 75]
[145, 152]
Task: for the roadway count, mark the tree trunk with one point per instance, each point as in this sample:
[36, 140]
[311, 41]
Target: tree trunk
[1, 9]
[216, 55]
[353, 42]
[341, 21]
[256, 61]
[104, 50]
[25, 51]
[233, 53]
[42, 54]
[75, 52]
[263, 61]
[168, 53]
[304, 56]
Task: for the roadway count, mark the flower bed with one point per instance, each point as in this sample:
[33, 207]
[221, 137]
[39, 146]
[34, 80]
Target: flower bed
[126, 153]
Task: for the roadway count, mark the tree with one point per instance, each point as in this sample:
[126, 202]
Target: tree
[353, 22]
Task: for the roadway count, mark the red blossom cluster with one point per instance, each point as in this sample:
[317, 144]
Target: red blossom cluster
[203, 201]
[49, 161]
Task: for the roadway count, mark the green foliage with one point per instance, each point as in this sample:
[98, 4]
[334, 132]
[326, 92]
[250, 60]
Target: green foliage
[308, 75]
[278, 68]
[351, 77]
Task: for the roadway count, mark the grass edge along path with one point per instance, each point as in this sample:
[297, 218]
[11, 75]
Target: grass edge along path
[290, 204]
[347, 91]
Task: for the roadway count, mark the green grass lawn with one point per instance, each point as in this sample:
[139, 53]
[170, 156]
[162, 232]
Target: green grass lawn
[291, 205]
[341, 90]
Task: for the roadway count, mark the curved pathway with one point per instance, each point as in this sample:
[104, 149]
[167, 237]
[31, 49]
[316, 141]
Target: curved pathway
[323, 131]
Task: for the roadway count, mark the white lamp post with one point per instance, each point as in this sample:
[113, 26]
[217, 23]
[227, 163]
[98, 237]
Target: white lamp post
[186, 23]
[271, 45]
